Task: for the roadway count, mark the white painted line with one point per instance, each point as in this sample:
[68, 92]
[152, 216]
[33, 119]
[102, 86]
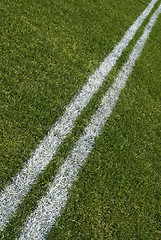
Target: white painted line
[51, 206]
[12, 195]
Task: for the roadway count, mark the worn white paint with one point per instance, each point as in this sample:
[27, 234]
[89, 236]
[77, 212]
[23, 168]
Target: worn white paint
[51, 206]
[12, 195]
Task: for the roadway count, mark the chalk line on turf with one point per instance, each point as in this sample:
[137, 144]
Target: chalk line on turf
[12, 195]
[51, 205]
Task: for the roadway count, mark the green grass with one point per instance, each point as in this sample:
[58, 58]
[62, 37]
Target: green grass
[48, 50]
[47, 47]
[117, 195]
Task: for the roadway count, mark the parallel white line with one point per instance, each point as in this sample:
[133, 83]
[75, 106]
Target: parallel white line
[51, 206]
[12, 195]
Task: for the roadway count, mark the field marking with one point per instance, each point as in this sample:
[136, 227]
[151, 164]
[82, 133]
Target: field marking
[12, 195]
[51, 206]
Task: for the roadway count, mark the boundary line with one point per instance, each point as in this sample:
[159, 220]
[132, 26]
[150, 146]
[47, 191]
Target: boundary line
[51, 206]
[13, 194]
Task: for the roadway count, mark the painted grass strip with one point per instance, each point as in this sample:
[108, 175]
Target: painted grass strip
[51, 206]
[12, 195]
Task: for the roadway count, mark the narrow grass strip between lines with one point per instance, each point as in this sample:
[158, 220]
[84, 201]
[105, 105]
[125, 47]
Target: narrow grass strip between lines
[12, 195]
[51, 206]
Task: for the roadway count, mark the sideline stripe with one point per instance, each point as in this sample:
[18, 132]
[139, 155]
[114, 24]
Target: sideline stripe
[12, 195]
[51, 206]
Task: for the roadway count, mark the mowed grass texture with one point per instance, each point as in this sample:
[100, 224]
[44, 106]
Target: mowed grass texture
[48, 51]
[117, 195]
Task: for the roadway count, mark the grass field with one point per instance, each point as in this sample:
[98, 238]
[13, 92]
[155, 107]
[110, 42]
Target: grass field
[48, 51]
